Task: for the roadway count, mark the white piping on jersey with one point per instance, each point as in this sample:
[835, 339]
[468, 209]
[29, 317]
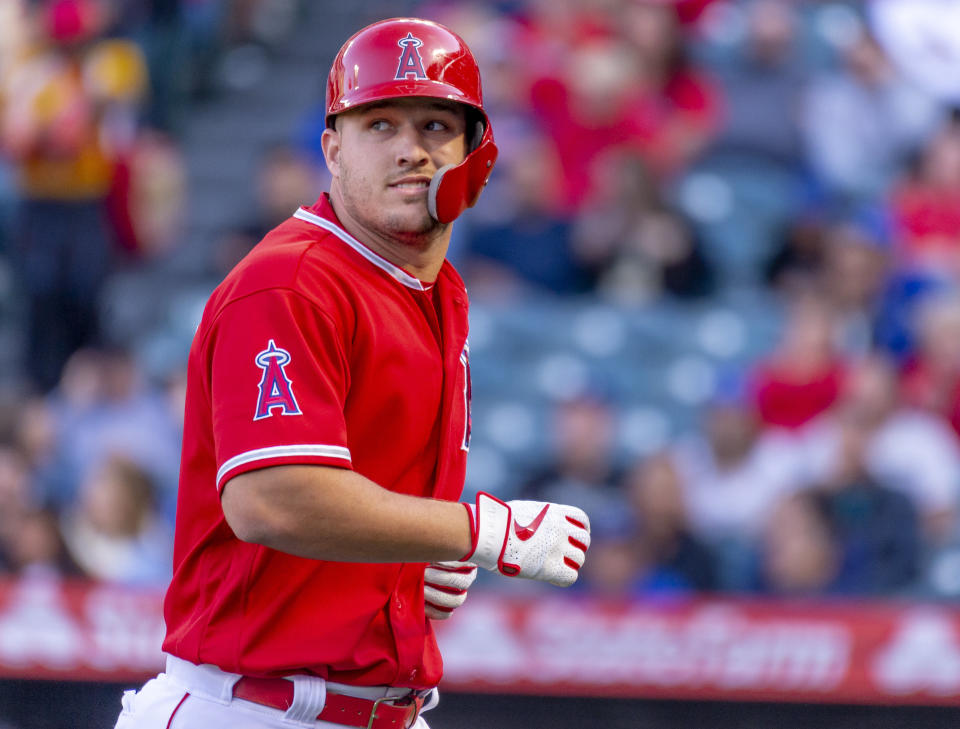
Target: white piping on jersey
[377, 260]
[259, 454]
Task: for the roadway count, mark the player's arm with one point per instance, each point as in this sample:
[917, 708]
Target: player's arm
[331, 513]
[323, 512]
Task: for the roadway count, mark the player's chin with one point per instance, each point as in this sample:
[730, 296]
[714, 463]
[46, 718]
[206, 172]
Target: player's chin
[413, 222]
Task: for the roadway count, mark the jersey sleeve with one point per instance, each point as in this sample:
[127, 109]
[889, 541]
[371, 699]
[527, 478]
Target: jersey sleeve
[278, 380]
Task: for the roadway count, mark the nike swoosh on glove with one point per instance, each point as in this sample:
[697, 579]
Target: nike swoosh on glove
[445, 587]
[532, 539]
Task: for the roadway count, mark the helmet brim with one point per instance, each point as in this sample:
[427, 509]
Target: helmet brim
[426, 89]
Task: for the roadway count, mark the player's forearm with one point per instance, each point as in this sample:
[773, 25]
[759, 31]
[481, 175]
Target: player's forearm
[335, 514]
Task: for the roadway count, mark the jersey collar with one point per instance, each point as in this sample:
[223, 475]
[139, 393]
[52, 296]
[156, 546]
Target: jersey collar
[376, 259]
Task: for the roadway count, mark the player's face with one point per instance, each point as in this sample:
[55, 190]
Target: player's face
[382, 157]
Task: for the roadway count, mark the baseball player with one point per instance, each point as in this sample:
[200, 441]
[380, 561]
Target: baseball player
[327, 427]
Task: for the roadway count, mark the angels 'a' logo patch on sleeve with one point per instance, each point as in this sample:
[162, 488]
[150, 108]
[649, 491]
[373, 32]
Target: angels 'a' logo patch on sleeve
[276, 389]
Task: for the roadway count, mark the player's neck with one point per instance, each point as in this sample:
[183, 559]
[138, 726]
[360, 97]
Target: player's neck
[421, 256]
[423, 260]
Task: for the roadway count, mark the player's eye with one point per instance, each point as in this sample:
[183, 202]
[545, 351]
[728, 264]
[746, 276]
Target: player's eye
[436, 125]
[379, 125]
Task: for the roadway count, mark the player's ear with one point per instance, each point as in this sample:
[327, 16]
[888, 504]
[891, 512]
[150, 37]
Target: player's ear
[330, 144]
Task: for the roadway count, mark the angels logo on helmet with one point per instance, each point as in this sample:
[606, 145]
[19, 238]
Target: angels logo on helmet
[410, 60]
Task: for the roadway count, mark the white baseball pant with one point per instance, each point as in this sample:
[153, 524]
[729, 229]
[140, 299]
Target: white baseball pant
[187, 696]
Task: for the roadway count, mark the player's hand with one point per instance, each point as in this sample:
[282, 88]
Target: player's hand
[532, 539]
[445, 587]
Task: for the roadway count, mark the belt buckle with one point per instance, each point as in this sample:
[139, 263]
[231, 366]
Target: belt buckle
[373, 711]
[417, 702]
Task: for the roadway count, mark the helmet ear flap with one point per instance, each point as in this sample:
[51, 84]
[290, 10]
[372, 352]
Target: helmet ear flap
[432, 191]
[454, 188]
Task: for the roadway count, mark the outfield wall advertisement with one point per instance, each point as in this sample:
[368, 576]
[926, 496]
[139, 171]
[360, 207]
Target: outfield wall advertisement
[727, 649]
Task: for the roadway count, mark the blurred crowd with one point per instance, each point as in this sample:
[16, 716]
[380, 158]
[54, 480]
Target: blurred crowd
[828, 466]
[93, 98]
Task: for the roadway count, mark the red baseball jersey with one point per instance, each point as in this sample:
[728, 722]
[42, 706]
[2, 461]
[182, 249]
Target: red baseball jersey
[315, 350]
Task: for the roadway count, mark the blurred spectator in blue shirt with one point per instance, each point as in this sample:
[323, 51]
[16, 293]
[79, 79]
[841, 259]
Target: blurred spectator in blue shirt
[582, 466]
[105, 406]
[861, 123]
[856, 268]
[904, 449]
[656, 552]
[666, 541]
[762, 84]
[798, 554]
[38, 439]
[876, 525]
[846, 261]
[529, 244]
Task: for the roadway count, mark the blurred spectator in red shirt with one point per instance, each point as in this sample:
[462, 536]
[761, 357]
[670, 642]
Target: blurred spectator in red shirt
[148, 196]
[926, 206]
[803, 375]
[680, 104]
[629, 87]
[591, 107]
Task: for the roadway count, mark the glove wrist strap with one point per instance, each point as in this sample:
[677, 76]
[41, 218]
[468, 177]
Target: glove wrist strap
[489, 524]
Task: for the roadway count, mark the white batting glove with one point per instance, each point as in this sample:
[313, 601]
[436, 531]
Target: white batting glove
[532, 539]
[445, 587]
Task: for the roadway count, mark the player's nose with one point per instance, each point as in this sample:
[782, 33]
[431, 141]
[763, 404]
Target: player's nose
[410, 148]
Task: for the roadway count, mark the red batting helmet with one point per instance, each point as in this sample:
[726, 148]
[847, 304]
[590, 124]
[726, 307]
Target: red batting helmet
[404, 57]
